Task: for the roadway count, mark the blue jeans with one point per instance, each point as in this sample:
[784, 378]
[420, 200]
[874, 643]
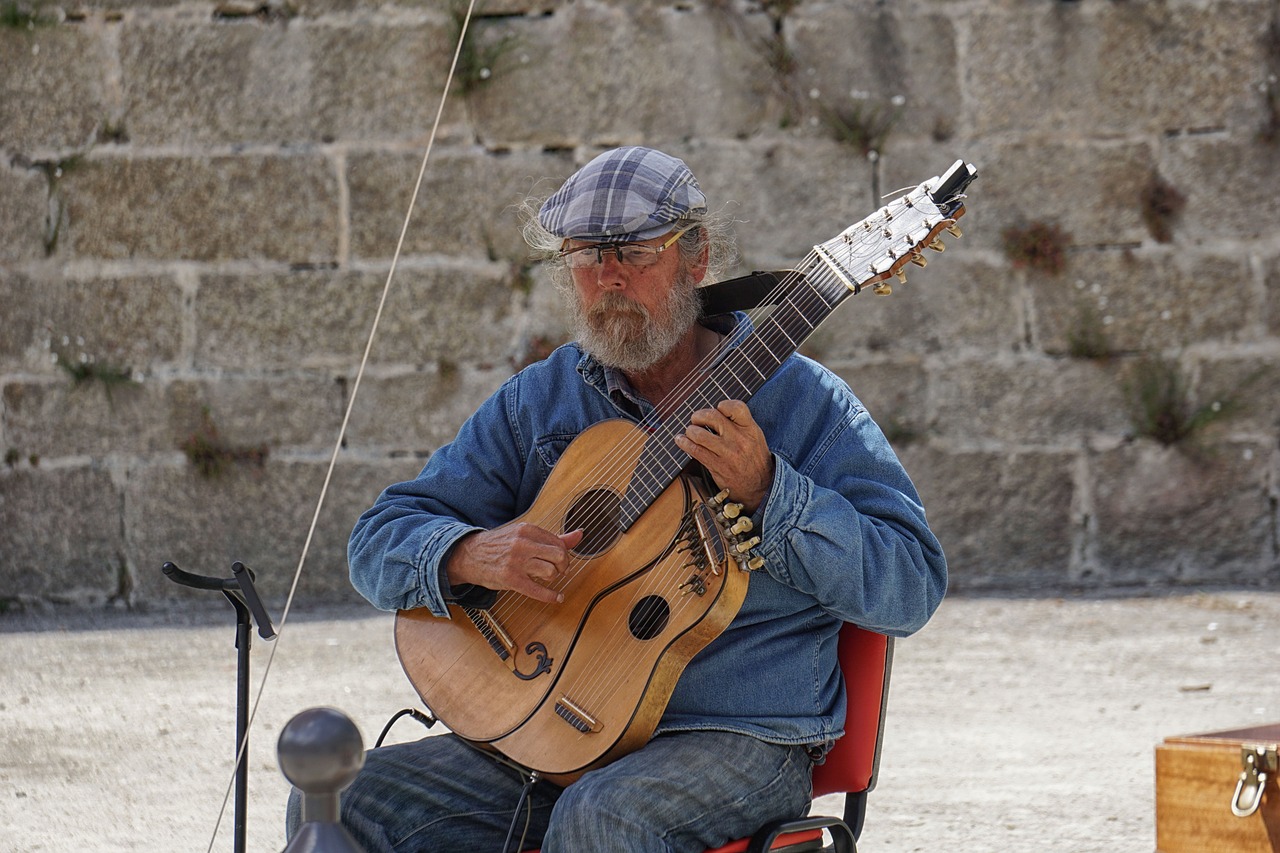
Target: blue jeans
[681, 793]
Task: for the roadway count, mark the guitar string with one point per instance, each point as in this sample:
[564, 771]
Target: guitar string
[242, 747]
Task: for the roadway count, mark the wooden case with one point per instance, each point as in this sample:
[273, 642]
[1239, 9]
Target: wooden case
[1217, 792]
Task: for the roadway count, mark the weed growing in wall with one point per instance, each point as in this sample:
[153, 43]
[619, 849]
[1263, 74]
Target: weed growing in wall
[1039, 246]
[1161, 406]
[862, 124]
[476, 58]
[1270, 87]
[212, 456]
[1162, 203]
[22, 16]
[1087, 337]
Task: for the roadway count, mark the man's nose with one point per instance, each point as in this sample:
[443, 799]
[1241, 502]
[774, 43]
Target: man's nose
[609, 272]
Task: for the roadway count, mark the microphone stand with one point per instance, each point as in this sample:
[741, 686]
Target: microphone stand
[240, 591]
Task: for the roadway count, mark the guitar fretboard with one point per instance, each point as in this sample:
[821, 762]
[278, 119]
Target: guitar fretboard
[738, 375]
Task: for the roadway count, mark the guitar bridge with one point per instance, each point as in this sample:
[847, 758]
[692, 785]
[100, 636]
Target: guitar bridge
[573, 714]
[499, 640]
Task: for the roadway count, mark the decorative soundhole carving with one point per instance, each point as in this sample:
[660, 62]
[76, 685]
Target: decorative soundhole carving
[649, 617]
[598, 513]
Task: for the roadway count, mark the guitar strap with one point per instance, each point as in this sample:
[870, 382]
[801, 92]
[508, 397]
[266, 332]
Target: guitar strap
[742, 293]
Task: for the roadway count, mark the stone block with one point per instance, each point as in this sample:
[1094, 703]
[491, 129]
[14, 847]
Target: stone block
[416, 413]
[1249, 388]
[1025, 401]
[62, 418]
[283, 321]
[24, 211]
[61, 536]
[1005, 519]
[259, 516]
[287, 411]
[278, 207]
[55, 88]
[126, 323]
[466, 205]
[1094, 192]
[1229, 185]
[913, 86]
[894, 393]
[1144, 301]
[1044, 67]
[614, 73]
[783, 195]
[242, 81]
[959, 303]
[1184, 514]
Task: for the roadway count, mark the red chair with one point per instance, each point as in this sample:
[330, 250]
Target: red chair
[866, 659]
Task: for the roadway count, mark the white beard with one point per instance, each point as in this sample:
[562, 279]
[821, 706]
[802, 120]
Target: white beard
[622, 334]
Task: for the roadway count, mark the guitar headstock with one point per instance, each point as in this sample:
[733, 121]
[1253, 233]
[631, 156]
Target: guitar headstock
[881, 245]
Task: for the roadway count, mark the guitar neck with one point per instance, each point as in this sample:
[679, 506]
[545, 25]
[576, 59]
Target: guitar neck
[741, 371]
[868, 252]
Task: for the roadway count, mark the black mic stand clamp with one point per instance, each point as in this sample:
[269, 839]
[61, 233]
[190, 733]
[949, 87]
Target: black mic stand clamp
[240, 591]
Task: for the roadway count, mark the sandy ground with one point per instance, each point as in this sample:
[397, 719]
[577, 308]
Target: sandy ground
[1015, 725]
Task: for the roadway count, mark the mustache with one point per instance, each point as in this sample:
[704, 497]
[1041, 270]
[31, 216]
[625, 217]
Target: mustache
[614, 304]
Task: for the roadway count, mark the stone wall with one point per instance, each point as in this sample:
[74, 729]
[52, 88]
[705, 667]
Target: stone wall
[200, 203]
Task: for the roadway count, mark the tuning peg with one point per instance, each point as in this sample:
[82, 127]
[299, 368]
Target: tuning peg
[755, 562]
[919, 260]
[882, 288]
[731, 511]
[954, 231]
[743, 525]
[902, 275]
[938, 246]
[719, 499]
[744, 547]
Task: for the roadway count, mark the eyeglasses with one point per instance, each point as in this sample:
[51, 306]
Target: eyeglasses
[626, 253]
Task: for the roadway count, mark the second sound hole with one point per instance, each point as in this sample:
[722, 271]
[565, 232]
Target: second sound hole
[649, 617]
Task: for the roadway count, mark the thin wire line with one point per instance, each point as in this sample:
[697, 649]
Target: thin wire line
[346, 419]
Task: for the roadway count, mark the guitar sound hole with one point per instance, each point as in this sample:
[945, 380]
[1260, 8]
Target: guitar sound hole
[649, 617]
[597, 513]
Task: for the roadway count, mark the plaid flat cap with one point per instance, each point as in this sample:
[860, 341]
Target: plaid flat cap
[624, 195]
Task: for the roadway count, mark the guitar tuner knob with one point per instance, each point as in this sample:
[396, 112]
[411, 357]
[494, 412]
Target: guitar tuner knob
[755, 563]
[744, 547]
[882, 288]
[938, 246]
[919, 260]
[731, 511]
[954, 231]
[743, 525]
[902, 275]
[718, 499]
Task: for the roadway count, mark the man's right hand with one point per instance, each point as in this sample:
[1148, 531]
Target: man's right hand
[520, 557]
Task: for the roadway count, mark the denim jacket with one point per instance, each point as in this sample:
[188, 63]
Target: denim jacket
[843, 535]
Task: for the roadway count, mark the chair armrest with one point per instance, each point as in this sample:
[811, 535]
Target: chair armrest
[841, 836]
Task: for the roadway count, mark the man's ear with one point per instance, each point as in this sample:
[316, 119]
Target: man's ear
[698, 269]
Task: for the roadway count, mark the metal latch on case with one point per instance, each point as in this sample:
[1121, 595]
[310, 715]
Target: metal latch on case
[1259, 762]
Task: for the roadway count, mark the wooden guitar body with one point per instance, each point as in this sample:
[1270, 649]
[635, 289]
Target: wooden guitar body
[556, 687]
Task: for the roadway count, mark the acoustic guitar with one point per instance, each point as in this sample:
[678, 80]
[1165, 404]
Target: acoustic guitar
[664, 564]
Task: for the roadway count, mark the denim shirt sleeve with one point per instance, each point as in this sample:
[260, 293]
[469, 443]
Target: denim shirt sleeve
[397, 550]
[844, 525]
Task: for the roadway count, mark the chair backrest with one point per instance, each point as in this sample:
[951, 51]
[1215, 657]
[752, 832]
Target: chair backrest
[866, 660]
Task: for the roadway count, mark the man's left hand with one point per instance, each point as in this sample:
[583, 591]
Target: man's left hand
[731, 446]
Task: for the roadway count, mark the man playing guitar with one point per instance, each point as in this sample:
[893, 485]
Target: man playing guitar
[842, 536]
